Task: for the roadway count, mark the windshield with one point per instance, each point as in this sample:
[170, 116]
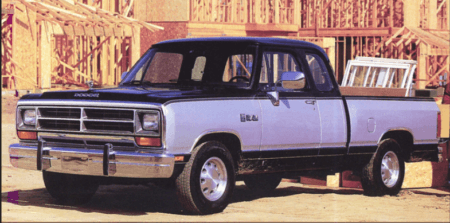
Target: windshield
[194, 64]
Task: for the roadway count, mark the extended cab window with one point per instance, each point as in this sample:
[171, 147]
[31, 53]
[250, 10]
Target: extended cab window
[319, 72]
[274, 64]
[238, 68]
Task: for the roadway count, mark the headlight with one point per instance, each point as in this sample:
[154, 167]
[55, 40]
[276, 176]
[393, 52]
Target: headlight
[29, 117]
[150, 122]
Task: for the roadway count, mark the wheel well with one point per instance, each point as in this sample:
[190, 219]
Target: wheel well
[230, 140]
[404, 139]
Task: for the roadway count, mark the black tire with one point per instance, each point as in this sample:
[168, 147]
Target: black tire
[68, 188]
[189, 187]
[262, 182]
[373, 174]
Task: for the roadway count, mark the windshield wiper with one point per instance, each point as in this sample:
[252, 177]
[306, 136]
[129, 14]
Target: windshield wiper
[184, 80]
[137, 82]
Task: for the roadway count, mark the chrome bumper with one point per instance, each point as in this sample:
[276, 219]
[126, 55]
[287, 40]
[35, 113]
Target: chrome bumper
[104, 162]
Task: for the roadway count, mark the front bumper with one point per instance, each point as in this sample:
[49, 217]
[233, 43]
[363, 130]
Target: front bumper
[106, 162]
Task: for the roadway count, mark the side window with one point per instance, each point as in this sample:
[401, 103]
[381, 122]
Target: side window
[238, 68]
[274, 64]
[319, 72]
[199, 68]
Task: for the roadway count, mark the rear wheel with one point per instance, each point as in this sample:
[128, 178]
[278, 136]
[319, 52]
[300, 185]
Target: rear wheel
[385, 172]
[206, 184]
[262, 182]
[68, 188]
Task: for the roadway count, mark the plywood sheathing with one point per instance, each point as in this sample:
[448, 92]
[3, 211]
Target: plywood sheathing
[79, 25]
[303, 13]
[411, 9]
[45, 63]
[172, 30]
[165, 11]
[24, 45]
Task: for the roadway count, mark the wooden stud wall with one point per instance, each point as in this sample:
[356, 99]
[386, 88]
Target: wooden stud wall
[70, 42]
[328, 13]
[8, 65]
[360, 28]
[24, 48]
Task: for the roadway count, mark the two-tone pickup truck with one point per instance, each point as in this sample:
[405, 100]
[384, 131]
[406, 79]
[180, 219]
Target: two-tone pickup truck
[203, 113]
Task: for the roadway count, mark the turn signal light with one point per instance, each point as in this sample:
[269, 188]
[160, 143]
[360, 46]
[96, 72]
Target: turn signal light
[26, 135]
[179, 158]
[147, 141]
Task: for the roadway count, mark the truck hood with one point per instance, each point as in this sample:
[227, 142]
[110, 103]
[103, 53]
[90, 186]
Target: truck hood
[138, 94]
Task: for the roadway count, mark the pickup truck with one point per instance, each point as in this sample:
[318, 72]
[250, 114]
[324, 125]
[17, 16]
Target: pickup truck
[201, 113]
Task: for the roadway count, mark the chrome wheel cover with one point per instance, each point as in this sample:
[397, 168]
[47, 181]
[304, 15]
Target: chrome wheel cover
[390, 169]
[213, 178]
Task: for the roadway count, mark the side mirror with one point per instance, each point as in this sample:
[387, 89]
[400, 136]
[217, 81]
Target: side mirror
[293, 80]
[289, 80]
[124, 74]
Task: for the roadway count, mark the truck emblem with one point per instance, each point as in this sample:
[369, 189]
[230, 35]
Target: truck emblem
[248, 118]
[86, 95]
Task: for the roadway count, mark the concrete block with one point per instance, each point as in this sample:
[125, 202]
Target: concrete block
[333, 180]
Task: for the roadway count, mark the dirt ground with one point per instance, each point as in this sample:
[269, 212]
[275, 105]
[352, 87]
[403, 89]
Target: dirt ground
[24, 198]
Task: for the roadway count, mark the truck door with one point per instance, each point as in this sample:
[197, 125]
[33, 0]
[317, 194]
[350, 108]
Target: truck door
[291, 129]
[330, 106]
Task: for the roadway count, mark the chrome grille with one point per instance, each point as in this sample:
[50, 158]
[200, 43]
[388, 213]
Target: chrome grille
[59, 124]
[89, 120]
[109, 114]
[60, 112]
[109, 126]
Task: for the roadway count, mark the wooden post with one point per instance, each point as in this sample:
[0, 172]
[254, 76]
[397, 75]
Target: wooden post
[432, 14]
[391, 13]
[317, 22]
[297, 20]
[421, 70]
[448, 26]
[45, 71]
[330, 45]
[104, 62]
[266, 17]
[411, 9]
[95, 75]
[88, 63]
[257, 11]
[112, 60]
[277, 11]
[136, 45]
[375, 13]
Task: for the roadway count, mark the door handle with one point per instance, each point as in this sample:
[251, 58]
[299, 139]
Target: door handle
[311, 102]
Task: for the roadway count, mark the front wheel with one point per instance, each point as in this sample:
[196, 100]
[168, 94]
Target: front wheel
[68, 188]
[206, 184]
[385, 172]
